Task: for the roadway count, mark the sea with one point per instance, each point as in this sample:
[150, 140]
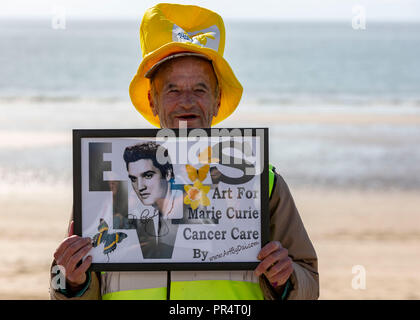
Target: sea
[54, 80]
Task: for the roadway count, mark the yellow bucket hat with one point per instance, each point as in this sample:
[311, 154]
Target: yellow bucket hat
[171, 30]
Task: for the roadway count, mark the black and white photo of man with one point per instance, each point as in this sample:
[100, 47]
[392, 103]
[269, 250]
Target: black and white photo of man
[152, 182]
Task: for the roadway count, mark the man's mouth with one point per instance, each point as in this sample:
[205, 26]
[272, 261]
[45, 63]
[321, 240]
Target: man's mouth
[187, 117]
[144, 195]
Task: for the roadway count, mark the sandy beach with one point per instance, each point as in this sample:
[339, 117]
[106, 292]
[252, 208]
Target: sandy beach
[377, 229]
[348, 228]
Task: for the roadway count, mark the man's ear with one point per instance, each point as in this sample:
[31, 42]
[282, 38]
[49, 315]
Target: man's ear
[152, 103]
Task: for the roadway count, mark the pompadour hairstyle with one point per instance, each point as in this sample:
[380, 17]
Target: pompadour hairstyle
[148, 150]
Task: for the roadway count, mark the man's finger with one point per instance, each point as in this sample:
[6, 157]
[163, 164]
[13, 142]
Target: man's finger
[270, 260]
[64, 245]
[72, 249]
[281, 277]
[84, 266]
[75, 258]
[268, 249]
[279, 267]
[78, 277]
[71, 228]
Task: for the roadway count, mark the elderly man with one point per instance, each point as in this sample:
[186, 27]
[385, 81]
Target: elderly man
[184, 77]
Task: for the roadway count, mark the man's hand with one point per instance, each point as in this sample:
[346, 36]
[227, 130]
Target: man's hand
[68, 254]
[275, 264]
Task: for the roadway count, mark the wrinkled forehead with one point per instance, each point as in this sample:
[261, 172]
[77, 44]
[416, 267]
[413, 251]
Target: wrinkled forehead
[186, 66]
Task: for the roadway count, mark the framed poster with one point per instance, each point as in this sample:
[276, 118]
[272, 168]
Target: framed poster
[164, 199]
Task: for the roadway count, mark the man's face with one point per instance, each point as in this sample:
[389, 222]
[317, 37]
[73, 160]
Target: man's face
[147, 181]
[185, 89]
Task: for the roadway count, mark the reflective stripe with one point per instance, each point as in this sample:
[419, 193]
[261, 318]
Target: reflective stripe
[141, 294]
[127, 281]
[215, 290]
[194, 290]
[270, 179]
[234, 275]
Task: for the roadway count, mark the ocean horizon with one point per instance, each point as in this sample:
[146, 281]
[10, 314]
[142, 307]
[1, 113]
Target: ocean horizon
[276, 62]
[53, 80]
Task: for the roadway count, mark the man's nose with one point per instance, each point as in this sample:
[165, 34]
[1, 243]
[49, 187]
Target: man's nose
[141, 185]
[187, 100]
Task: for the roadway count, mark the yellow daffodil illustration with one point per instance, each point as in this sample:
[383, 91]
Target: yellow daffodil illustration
[196, 195]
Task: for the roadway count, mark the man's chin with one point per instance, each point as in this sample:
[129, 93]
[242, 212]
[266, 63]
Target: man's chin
[189, 122]
[146, 202]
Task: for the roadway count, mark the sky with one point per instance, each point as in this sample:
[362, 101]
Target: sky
[283, 10]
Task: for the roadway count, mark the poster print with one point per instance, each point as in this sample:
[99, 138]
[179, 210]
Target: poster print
[172, 199]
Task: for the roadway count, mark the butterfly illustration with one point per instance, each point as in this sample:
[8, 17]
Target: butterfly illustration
[110, 240]
[195, 174]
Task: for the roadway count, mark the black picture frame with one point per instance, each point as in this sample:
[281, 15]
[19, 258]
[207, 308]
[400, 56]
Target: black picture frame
[79, 134]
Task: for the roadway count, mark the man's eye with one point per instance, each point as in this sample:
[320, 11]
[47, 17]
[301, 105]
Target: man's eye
[200, 90]
[133, 179]
[148, 175]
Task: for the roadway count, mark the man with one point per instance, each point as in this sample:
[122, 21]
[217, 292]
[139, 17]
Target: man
[183, 77]
[152, 183]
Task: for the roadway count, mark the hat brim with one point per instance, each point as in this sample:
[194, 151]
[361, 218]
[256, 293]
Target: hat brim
[231, 89]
